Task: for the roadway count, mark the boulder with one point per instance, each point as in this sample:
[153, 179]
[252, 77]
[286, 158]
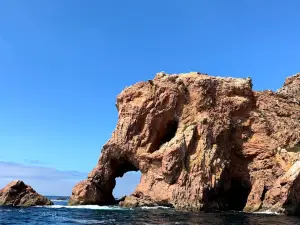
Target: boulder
[17, 193]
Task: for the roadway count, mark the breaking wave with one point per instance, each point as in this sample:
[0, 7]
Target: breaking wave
[155, 207]
[94, 207]
[268, 212]
[83, 221]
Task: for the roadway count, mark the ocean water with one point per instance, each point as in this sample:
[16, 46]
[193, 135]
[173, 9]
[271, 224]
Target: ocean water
[60, 213]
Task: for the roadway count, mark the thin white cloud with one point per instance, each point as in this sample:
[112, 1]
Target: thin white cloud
[19, 171]
[45, 180]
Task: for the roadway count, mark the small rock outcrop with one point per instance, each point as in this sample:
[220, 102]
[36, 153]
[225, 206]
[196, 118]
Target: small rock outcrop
[203, 143]
[291, 88]
[17, 193]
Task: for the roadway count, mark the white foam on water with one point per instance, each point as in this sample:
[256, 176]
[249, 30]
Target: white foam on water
[155, 207]
[268, 212]
[5, 210]
[94, 207]
[83, 221]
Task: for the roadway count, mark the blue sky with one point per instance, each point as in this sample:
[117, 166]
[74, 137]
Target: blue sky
[63, 62]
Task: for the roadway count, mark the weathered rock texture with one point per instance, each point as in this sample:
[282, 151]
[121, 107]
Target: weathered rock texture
[17, 193]
[203, 143]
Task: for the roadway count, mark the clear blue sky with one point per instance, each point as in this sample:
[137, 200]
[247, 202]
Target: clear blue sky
[63, 62]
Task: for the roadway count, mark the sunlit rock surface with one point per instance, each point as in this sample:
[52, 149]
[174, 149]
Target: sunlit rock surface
[202, 143]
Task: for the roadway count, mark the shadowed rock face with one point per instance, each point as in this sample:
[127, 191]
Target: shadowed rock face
[17, 193]
[202, 143]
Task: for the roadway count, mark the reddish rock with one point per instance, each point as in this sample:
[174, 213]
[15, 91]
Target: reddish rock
[291, 88]
[17, 193]
[202, 143]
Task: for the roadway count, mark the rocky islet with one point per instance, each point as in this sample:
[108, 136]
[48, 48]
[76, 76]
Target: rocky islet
[17, 193]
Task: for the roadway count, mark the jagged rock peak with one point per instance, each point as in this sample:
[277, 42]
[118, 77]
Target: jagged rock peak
[291, 88]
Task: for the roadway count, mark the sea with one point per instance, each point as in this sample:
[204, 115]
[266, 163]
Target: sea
[60, 213]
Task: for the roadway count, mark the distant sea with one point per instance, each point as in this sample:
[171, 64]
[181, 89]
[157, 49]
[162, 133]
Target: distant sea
[60, 213]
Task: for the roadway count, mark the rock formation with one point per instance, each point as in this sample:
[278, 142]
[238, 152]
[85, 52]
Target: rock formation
[203, 143]
[17, 193]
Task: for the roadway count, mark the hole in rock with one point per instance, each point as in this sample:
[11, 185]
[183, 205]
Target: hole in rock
[126, 176]
[263, 194]
[121, 166]
[166, 133]
[171, 130]
[126, 185]
[238, 194]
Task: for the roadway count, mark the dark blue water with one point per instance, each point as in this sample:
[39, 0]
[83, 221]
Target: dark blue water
[62, 214]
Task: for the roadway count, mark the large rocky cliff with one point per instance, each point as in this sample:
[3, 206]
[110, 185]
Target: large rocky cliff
[203, 143]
